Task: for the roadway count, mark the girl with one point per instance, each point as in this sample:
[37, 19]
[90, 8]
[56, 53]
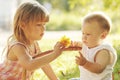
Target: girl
[20, 58]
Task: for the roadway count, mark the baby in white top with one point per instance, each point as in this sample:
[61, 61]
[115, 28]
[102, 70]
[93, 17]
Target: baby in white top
[96, 59]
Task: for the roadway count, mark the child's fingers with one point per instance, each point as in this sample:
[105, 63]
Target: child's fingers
[77, 57]
[72, 43]
[77, 60]
[82, 59]
[59, 45]
[72, 48]
[80, 54]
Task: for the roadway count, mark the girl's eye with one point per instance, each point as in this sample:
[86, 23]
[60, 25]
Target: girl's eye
[40, 25]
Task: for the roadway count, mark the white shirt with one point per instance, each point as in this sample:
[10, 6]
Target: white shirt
[89, 54]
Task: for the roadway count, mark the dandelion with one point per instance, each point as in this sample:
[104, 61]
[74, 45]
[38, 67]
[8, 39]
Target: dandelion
[65, 41]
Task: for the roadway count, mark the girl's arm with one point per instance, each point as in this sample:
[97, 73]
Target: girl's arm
[46, 68]
[49, 72]
[49, 51]
[74, 46]
[30, 63]
[42, 54]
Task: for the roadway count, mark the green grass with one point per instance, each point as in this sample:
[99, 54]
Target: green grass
[64, 66]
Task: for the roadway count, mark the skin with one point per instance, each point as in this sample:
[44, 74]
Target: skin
[34, 33]
[92, 36]
[19, 53]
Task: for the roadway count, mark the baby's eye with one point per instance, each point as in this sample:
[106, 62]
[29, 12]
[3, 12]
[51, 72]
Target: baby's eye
[83, 33]
[87, 34]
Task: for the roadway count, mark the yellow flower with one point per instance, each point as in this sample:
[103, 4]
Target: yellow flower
[65, 41]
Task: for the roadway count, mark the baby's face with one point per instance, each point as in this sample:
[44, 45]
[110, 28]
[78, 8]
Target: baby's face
[91, 34]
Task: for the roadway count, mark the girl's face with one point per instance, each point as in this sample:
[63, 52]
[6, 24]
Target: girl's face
[91, 34]
[35, 31]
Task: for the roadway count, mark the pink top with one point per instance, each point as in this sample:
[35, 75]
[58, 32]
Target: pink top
[12, 70]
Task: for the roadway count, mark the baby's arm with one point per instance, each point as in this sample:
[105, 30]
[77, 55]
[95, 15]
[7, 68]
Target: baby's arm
[102, 59]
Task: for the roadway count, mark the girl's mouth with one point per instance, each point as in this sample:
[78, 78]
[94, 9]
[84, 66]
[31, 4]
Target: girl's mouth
[42, 34]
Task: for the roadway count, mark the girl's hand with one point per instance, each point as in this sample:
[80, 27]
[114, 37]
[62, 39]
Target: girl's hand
[80, 60]
[58, 48]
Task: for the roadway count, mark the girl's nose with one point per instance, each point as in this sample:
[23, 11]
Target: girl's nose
[43, 27]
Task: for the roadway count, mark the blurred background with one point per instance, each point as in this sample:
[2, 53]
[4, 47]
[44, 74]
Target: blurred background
[65, 19]
[65, 14]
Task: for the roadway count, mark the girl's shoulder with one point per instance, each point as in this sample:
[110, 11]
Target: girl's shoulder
[14, 48]
[16, 44]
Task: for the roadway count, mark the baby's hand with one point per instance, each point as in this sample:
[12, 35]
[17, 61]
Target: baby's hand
[80, 60]
[75, 44]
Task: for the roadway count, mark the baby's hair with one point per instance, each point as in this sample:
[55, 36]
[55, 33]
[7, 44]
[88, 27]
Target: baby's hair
[103, 20]
[27, 13]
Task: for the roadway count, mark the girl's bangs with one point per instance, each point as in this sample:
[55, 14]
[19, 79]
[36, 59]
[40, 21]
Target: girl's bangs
[42, 17]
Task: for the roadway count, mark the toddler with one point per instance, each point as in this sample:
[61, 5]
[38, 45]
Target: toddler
[97, 58]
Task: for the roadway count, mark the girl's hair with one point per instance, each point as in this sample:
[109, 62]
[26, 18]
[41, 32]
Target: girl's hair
[100, 18]
[27, 13]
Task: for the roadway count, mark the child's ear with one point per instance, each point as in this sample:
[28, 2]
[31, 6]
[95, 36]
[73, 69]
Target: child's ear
[104, 34]
[22, 25]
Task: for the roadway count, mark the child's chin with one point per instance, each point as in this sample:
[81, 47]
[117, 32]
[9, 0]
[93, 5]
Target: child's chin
[87, 45]
[39, 38]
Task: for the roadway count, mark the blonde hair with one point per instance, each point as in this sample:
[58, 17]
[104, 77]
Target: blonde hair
[28, 12]
[103, 20]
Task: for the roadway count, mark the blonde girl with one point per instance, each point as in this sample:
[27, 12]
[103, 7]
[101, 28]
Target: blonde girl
[20, 61]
